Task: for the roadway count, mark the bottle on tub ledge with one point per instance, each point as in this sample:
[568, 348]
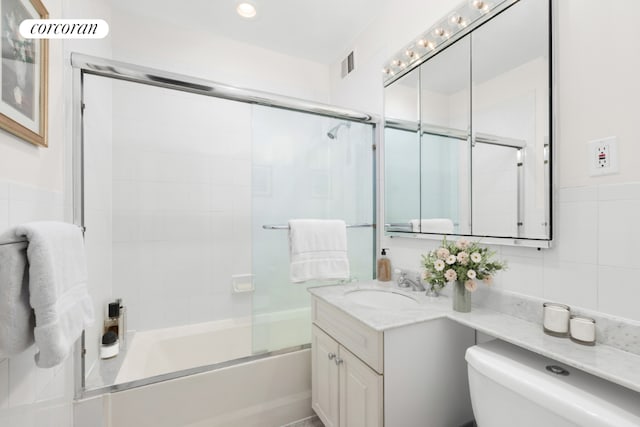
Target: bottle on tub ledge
[113, 337]
[384, 267]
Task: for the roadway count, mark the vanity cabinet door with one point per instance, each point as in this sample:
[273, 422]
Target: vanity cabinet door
[360, 393]
[325, 393]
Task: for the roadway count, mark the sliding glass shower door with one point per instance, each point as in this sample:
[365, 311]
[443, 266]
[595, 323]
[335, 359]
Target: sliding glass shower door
[178, 189]
[304, 166]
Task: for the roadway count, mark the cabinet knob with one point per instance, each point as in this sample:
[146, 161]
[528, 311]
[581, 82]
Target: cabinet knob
[338, 361]
[331, 356]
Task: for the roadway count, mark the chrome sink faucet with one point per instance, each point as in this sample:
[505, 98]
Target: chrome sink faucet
[405, 282]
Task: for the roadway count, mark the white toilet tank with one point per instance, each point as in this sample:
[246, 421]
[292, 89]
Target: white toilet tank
[511, 386]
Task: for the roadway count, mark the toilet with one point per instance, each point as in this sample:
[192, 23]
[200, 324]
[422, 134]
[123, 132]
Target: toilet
[512, 386]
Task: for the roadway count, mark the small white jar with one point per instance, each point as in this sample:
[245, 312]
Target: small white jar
[583, 330]
[555, 319]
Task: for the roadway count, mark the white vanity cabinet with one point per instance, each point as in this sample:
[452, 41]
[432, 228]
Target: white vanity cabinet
[409, 376]
[346, 392]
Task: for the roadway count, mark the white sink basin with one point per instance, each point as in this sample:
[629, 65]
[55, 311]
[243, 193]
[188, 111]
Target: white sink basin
[376, 298]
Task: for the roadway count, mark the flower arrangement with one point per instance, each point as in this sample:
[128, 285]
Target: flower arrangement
[462, 261]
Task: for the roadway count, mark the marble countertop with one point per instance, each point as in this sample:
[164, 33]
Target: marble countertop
[606, 362]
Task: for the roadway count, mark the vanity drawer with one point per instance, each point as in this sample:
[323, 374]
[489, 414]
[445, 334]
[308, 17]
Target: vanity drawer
[359, 339]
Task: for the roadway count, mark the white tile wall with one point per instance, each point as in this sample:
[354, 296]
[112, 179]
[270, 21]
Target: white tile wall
[181, 197]
[31, 396]
[594, 262]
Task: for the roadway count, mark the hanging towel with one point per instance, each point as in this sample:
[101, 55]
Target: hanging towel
[16, 317]
[432, 225]
[57, 286]
[318, 250]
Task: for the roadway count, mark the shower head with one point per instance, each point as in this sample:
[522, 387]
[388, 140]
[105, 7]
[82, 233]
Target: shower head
[333, 132]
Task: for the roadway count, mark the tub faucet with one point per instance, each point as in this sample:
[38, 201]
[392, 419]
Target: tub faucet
[405, 282]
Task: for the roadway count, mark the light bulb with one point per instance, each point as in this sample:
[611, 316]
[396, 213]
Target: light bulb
[480, 5]
[457, 20]
[426, 44]
[440, 32]
[246, 10]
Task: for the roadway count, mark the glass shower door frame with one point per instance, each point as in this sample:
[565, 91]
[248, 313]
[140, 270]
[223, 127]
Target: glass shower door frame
[88, 65]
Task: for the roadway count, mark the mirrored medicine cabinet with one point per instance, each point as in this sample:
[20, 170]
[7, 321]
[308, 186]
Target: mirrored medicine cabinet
[468, 134]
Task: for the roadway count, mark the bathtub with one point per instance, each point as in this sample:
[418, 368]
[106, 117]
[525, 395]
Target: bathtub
[239, 386]
[161, 351]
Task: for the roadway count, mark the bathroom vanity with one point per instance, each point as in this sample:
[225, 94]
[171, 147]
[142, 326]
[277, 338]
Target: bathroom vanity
[378, 360]
[369, 376]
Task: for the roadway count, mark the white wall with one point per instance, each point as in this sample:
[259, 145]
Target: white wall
[31, 183]
[144, 41]
[33, 186]
[595, 225]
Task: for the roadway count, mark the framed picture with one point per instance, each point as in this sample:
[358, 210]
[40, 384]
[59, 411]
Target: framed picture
[23, 73]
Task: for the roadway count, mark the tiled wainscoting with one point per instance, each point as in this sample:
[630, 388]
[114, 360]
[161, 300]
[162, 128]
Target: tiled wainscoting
[593, 263]
[31, 396]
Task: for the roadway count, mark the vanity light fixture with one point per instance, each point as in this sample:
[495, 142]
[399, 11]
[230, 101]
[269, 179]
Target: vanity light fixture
[459, 22]
[246, 10]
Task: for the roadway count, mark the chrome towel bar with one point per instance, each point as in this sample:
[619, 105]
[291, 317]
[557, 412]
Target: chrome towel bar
[286, 227]
[15, 242]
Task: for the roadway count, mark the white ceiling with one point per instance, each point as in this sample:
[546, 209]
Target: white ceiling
[315, 30]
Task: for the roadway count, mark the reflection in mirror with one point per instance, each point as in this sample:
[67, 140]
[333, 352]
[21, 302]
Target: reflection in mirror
[402, 153]
[468, 133]
[511, 123]
[444, 106]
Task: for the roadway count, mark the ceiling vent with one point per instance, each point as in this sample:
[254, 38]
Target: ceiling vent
[348, 65]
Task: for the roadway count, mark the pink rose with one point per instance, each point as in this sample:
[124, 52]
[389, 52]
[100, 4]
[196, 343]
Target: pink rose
[470, 285]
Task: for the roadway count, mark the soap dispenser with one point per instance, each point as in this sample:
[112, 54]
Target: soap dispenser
[384, 267]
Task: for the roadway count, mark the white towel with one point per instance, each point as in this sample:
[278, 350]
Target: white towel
[57, 287]
[318, 250]
[16, 317]
[432, 225]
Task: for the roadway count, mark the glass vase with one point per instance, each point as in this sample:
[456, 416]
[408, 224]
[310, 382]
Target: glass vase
[461, 298]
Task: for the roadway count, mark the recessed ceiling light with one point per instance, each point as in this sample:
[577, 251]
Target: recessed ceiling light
[246, 10]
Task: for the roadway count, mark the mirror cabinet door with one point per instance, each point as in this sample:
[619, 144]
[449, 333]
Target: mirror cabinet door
[402, 154]
[510, 116]
[468, 133]
[444, 143]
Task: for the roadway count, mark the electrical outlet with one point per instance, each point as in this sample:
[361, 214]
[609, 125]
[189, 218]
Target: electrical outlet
[602, 156]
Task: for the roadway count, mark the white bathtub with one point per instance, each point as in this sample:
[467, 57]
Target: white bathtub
[161, 351]
[270, 391]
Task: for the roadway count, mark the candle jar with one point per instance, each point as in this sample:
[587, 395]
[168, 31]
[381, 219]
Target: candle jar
[583, 330]
[555, 320]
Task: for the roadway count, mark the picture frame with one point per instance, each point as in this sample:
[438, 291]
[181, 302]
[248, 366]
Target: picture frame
[24, 73]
